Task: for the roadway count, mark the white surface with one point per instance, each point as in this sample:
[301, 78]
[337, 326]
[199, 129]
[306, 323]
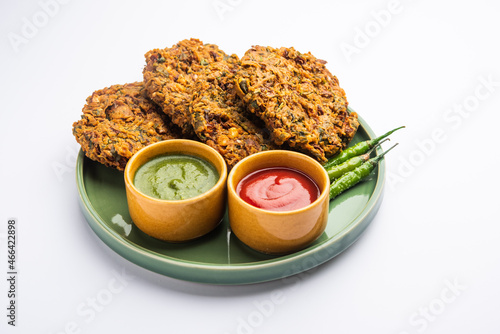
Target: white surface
[437, 227]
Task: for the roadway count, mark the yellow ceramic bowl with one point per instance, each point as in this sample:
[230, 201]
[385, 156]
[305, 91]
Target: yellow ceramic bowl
[177, 220]
[278, 232]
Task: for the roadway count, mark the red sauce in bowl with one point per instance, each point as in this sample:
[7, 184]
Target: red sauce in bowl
[278, 189]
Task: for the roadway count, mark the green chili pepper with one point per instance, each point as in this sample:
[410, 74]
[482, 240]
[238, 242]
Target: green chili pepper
[353, 177]
[334, 172]
[356, 150]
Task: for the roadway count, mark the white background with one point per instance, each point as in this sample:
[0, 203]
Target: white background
[428, 263]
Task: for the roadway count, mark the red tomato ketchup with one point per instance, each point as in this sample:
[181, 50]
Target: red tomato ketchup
[278, 189]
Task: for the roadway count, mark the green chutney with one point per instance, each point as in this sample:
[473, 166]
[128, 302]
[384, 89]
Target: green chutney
[175, 177]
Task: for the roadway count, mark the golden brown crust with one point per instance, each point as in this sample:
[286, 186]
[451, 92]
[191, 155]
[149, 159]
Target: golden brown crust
[170, 74]
[221, 119]
[272, 98]
[118, 121]
[299, 100]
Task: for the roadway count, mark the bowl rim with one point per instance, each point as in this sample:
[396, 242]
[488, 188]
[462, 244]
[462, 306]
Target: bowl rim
[323, 192]
[129, 184]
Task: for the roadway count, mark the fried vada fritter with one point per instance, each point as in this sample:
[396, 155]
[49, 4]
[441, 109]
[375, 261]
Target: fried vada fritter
[221, 119]
[118, 121]
[299, 100]
[170, 73]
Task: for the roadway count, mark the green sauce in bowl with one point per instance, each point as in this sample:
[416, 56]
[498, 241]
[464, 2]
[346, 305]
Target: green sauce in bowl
[175, 177]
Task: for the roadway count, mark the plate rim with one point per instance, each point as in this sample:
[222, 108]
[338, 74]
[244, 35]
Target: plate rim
[240, 271]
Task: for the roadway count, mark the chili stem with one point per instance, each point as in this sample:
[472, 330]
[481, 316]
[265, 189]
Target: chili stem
[358, 149]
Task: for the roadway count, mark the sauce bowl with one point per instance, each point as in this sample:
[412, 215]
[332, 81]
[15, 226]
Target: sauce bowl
[278, 232]
[177, 220]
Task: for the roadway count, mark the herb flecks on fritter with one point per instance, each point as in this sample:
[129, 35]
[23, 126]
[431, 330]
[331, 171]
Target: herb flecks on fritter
[221, 119]
[118, 121]
[170, 73]
[299, 100]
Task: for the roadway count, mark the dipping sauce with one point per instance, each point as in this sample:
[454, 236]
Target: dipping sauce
[278, 189]
[175, 177]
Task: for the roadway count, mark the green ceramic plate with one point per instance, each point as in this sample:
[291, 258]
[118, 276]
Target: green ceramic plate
[219, 257]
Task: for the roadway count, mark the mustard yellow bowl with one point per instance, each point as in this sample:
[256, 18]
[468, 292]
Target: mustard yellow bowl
[177, 220]
[278, 232]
